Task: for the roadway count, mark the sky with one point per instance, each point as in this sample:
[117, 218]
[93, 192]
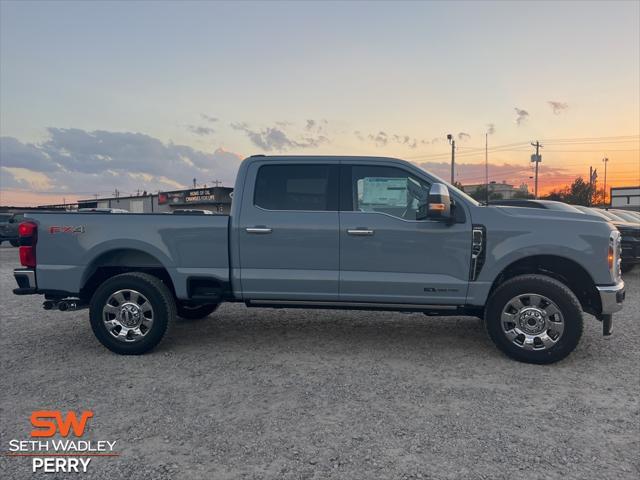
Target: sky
[134, 96]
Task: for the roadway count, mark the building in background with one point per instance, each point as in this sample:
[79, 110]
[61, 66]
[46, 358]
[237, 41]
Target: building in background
[625, 198]
[502, 190]
[216, 199]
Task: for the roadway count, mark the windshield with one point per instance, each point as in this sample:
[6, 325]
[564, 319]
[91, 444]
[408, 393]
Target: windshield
[4, 217]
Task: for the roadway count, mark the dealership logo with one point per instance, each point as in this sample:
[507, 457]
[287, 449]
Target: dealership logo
[68, 454]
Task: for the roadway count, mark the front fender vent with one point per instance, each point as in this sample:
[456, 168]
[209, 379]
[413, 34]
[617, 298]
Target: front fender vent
[478, 250]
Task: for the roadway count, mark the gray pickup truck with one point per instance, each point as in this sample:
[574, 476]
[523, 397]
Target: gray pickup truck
[332, 232]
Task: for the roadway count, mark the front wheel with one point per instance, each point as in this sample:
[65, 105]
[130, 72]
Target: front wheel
[534, 319]
[14, 243]
[131, 312]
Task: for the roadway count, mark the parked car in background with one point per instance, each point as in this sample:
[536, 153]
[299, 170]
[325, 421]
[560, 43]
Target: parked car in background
[9, 227]
[628, 215]
[192, 211]
[102, 210]
[610, 215]
[630, 232]
[546, 204]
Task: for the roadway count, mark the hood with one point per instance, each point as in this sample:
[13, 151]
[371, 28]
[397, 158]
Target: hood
[542, 213]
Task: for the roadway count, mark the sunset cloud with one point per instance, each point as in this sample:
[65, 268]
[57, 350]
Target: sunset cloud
[558, 107]
[87, 162]
[276, 139]
[208, 118]
[521, 116]
[382, 139]
[200, 130]
[472, 173]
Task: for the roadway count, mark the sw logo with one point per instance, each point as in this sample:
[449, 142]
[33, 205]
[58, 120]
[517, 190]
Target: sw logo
[47, 422]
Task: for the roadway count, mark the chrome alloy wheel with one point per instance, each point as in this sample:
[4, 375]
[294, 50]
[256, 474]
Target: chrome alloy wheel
[127, 315]
[532, 322]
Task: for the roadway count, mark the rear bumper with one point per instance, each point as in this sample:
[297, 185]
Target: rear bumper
[611, 297]
[26, 280]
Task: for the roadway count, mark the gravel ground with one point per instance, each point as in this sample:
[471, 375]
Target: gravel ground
[252, 393]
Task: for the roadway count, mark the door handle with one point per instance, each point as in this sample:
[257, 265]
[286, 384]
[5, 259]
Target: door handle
[360, 232]
[259, 230]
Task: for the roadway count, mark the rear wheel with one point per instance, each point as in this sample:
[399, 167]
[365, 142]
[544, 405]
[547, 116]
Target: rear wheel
[130, 313]
[196, 312]
[534, 319]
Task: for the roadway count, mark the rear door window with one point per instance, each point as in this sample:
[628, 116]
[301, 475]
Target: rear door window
[297, 187]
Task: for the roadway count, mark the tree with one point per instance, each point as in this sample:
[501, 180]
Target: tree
[522, 194]
[480, 194]
[578, 193]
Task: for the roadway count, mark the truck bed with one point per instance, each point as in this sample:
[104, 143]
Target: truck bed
[70, 245]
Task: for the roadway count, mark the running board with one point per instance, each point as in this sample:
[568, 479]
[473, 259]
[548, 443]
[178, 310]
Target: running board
[350, 305]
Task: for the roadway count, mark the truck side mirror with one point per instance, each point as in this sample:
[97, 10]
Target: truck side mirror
[438, 206]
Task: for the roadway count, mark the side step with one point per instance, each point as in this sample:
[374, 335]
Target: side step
[398, 307]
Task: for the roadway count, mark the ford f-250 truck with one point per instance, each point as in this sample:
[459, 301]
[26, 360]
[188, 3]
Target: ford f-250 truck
[332, 232]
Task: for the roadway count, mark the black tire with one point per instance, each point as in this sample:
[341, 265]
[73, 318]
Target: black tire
[159, 297]
[14, 243]
[196, 312]
[626, 267]
[555, 291]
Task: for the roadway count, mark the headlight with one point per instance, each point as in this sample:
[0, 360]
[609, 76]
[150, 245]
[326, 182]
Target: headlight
[613, 256]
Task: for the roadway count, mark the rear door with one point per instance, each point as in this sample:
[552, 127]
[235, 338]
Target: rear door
[386, 255]
[288, 231]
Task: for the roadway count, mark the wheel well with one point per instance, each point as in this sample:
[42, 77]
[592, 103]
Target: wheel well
[572, 274]
[115, 262]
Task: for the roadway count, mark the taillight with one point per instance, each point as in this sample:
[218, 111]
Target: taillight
[28, 234]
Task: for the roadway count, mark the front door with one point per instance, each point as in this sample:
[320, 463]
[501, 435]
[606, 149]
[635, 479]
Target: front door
[288, 235]
[386, 255]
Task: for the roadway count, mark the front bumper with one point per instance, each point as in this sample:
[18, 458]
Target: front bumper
[611, 297]
[26, 280]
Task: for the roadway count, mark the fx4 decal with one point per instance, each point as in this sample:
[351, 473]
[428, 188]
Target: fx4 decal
[66, 229]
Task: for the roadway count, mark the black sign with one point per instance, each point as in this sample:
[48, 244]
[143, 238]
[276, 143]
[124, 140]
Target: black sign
[195, 196]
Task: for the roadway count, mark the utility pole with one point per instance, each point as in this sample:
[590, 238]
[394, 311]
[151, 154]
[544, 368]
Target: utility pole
[593, 175]
[452, 142]
[604, 189]
[536, 158]
[194, 183]
[486, 166]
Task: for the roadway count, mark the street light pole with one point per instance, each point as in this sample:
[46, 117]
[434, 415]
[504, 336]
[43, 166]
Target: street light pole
[604, 190]
[486, 167]
[453, 156]
[536, 158]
